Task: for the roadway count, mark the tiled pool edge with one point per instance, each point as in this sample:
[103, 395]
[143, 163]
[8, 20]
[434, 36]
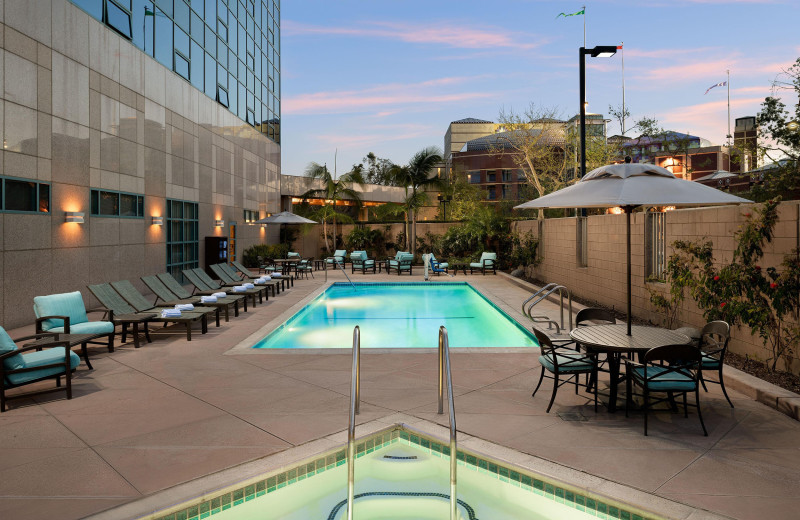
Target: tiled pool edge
[589, 494]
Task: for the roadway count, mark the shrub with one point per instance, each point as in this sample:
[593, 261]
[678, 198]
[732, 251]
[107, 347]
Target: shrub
[251, 254]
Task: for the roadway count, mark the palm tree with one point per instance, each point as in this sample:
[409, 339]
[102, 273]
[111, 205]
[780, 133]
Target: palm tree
[333, 190]
[327, 214]
[414, 176]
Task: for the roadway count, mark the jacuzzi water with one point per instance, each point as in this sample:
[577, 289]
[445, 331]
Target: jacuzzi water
[399, 315]
[401, 482]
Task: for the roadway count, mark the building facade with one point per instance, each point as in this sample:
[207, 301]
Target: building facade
[116, 166]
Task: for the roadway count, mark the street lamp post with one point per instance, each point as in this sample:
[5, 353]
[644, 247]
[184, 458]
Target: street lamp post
[601, 51]
[443, 200]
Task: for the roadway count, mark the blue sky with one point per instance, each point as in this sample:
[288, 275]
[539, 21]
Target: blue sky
[388, 76]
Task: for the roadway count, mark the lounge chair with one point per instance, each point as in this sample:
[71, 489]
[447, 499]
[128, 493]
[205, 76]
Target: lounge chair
[402, 261]
[202, 281]
[120, 313]
[360, 261]
[167, 297]
[230, 280]
[277, 284]
[671, 369]
[488, 261]
[178, 290]
[66, 313]
[140, 303]
[246, 273]
[29, 364]
[714, 340]
[563, 362]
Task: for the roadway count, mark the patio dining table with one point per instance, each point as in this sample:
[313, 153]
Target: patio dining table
[614, 341]
[287, 263]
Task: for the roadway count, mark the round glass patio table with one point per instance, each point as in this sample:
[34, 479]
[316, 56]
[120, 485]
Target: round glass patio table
[613, 340]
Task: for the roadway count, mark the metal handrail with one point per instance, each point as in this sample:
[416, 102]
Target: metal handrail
[355, 398]
[444, 370]
[548, 290]
[340, 266]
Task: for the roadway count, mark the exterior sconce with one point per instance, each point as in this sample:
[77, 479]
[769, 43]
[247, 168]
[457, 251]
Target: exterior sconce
[158, 221]
[74, 216]
[219, 222]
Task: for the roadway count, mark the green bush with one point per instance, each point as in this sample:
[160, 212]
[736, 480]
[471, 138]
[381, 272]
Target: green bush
[367, 239]
[523, 249]
[251, 254]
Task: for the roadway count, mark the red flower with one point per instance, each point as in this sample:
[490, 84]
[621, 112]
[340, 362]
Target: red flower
[747, 215]
[716, 278]
[773, 285]
[723, 304]
[758, 268]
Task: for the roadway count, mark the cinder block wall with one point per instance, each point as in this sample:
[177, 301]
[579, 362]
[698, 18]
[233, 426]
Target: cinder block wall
[604, 279]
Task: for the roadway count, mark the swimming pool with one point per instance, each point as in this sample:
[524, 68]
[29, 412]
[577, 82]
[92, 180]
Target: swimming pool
[398, 315]
[401, 474]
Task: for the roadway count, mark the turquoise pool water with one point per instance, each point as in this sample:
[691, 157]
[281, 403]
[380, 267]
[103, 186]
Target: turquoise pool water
[399, 315]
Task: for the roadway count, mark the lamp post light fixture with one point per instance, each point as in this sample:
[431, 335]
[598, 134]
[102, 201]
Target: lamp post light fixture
[601, 51]
[443, 200]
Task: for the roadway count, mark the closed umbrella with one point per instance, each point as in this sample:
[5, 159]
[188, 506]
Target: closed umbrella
[628, 186]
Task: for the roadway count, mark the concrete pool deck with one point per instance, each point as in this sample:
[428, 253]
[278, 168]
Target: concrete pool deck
[148, 419]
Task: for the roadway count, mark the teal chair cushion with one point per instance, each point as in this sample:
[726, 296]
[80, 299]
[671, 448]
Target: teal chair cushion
[710, 361]
[7, 345]
[89, 327]
[65, 304]
[663, 381]
[292, 254]
[567, 362]
[358, 256]
[476, 264]
[369, 263]
[42, 357]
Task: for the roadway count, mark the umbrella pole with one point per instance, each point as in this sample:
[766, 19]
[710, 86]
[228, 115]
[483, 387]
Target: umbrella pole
[628, 210]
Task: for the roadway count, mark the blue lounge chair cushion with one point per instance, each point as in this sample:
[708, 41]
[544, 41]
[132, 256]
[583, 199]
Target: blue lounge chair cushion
[65, 304]
[662, 380]
[40, 358]
[576, 362]
[7, 345]
[88, 327]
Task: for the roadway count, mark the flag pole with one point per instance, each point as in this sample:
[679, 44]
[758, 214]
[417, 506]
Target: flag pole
[729, 106]
[622, 53]
[584, 26]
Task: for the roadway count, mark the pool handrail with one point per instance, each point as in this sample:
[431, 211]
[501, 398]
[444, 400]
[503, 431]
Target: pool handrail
[548, 290]
[355, 398]
[444, 370]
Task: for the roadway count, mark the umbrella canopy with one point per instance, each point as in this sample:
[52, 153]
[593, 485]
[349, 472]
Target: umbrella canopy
[630, 185]
[285, 217]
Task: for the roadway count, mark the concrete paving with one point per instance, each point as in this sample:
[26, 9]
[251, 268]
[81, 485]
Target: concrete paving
[147, 419]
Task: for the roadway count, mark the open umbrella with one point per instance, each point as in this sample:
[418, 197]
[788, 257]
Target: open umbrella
[630, 185]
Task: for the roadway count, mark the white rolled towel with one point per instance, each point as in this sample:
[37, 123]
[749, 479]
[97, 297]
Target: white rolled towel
[208, 299]
[239, 288]
[262, 280]
[276, 275]
[266, 278]
[170, 313]
[185, 307]
[248, 285]
[220, 294]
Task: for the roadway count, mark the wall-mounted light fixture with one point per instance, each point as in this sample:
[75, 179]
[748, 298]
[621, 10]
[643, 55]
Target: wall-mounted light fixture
[158, 221]
[74, 216]
[219, 222]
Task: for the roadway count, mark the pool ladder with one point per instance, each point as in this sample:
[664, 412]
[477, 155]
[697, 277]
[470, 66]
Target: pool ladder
[445, 377]
[340, 266]
[548, 290]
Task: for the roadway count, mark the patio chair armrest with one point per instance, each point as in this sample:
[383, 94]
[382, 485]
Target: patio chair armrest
[43, 318]
[26, 348]
[632, 363]
[36, 336]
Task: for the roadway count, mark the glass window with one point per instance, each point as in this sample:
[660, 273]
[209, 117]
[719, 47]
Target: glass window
[211, 42]
[20, 195]
[198, 28]
[506, 174]
[119, 19]
[182, 14]
[251, 118]
[491, 176]
[182, 43]
[211, 11]
[115, 204]
[182, 237]
[198, 6]
[491, 193]
[44, 198]
[474, 177]
[222, 30]
[506, 191]
[166, 6]
[211, 76]
[163, 43]
[93, 7]
[196, 62]
[181, 65]
[222, 96]
[109, 203]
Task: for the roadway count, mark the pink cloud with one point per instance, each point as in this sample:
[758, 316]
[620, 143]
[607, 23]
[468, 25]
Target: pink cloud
[689, 71]
[710, 119]
[441, 33]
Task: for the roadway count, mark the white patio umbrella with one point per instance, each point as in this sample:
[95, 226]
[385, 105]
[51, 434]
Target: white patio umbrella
[628, 186]
[285, 217]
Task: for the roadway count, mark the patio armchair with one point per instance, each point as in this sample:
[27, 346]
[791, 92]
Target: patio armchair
[402, 262]
[304, 267]
[163, 293]
[670, 369]
[359, 260]
[594, 316]
[560, 362]
[178, 290]
[30, 364]
[713, 345]
[66, 313]
[338, 258]
[488, 261]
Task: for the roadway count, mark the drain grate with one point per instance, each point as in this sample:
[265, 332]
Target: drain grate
[394, 457]
[572, 416]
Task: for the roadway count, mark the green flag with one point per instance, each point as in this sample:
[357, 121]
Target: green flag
[582, 11]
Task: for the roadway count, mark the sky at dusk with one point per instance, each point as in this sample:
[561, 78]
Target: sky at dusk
[388, 76]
